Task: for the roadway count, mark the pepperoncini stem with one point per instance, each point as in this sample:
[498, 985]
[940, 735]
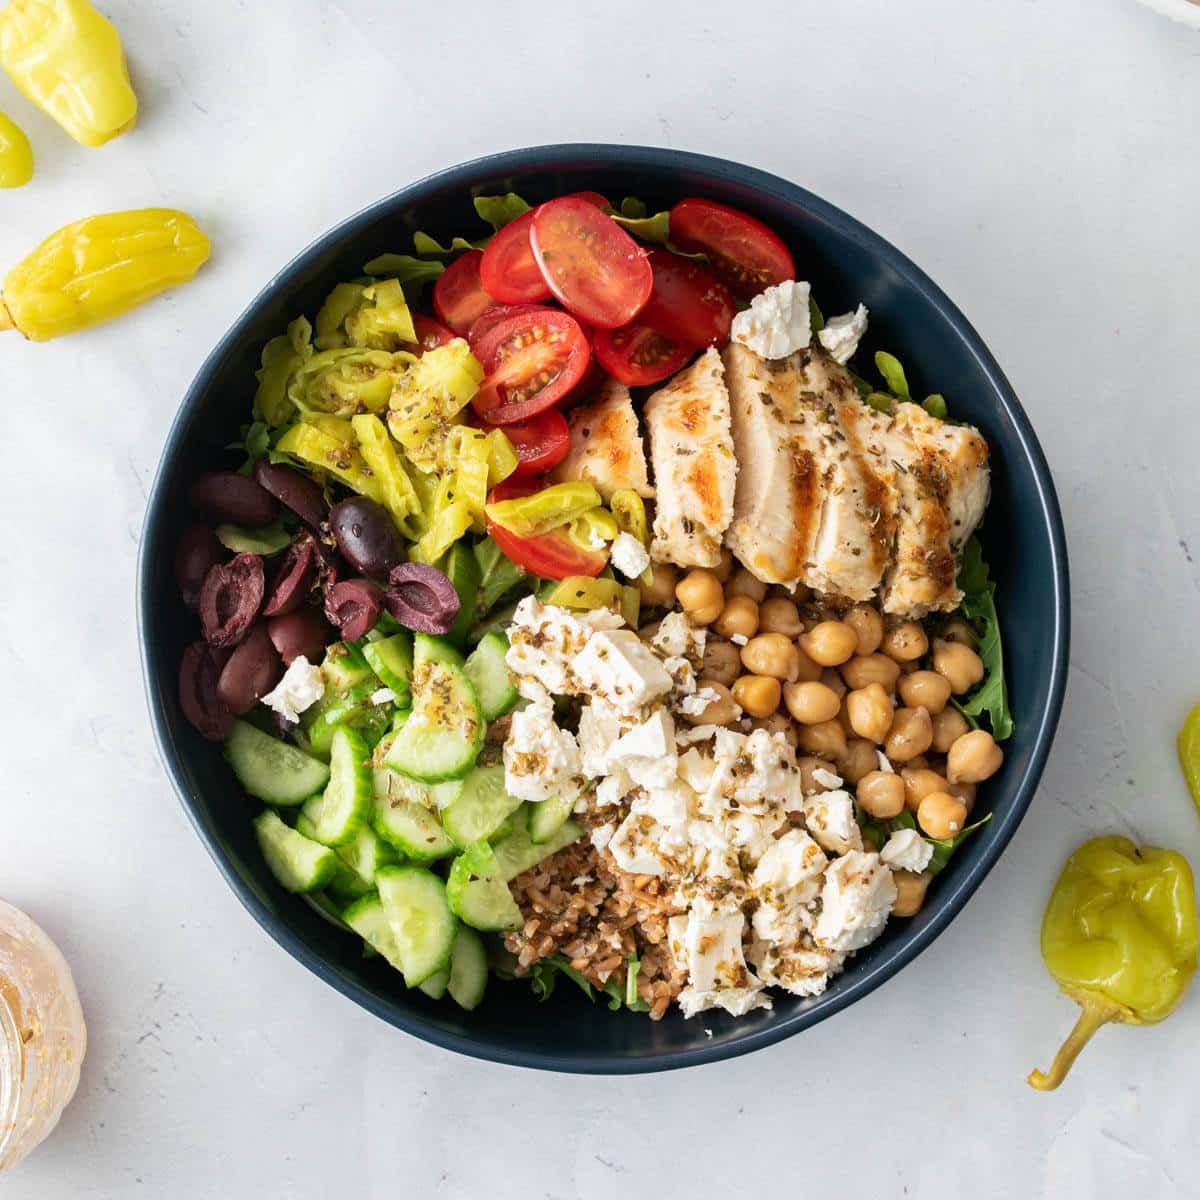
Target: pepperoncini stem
[6, 321]
[1097, 1011]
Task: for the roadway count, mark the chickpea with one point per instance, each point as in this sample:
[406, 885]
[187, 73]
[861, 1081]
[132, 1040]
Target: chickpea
[910, 735]
[660, 591]
[905, 642]
[722, 661]
[870, 712]
[700, 595]
[779, 722]
[808, 784]
[959, 664]
[881, 794]
[832, 680]
[964, 792]
[865, 669]
[910, 892]
[867, 623]
[807, 671]
[811, 703]
[925, 689]
[826, 740]
[959, 631]
[859, 761]
[948, 726]
[779, 615]
[843, 719]
[829, 643]
[739, 616]
[772, 654]
[918, 783]
[721, 711]
[973, 758]
[745, 584]
[941, 815]
[724, 568]
[758, 694]
[920, 763]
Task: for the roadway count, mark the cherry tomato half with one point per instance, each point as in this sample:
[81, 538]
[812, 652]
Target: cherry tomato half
[508, 270]
[590, 263]
[687, 304]
[541, 442]
[742, 251]
[497, 313]
[550, 555]
[530, 362]
[459, 296]
[638, 355]
[430, 334]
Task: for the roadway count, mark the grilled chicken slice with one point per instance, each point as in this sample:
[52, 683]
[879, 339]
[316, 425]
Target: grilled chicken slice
[606, 447]
[691, 450]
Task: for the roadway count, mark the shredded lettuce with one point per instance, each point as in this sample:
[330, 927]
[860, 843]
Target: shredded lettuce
[979, 607]
[498, 211]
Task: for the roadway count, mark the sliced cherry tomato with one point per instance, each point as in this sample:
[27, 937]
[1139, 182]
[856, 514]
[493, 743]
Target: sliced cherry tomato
[638, 355]
[742, 251]
[687, 304]
[508, 270]
[491, 317]
[430, 334]
[592, 198]
[590, 263]
[459, 296]
[550, 555]
[541, 442]
[530, 362]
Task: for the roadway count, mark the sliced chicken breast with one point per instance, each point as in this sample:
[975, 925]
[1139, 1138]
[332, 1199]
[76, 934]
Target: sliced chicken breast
[691, 450]
[606, 447]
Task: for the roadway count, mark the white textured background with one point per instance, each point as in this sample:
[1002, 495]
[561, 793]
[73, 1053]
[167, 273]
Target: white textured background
[1040, 161]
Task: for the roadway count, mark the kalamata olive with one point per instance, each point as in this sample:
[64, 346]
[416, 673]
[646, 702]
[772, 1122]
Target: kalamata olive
[282, 725]
[303, 632]
[293, 578]
[289, 487]
[354, 607]
[198, 674]
[420, 597]
[230, 599]
[365, 535]
[228, 496]
[252, 671]
[197, 552]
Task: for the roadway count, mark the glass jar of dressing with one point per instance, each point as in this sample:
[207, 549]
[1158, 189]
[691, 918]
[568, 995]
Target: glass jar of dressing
[42, 1035]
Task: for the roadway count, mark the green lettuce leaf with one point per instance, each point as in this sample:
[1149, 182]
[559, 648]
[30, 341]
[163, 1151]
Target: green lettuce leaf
[889, 367]
[497, 211]
[498, 575]
[653, 229]
[544, 973]
[943, 848]
[816, 318]
[404, 267]
[979, 607]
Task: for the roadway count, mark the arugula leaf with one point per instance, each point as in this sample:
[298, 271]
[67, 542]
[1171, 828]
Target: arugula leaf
[880, 401]
[816, 318]
[255, 441]
[979, 607]
[404, 267]
[631, 208]
[498, 575]
[545, 971]
[889, 367]
[498, 211]
[943, 848]
[935, 406]
[633, 1001]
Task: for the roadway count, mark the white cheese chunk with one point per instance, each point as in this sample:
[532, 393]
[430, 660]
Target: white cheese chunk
[792, 864]
[540, 759]
[621, 669]
[709, 948]
[907, 850]
[544, 640]
[830, 819]
[300, 688]
[856, 898]
[777, 323]
[629, 556]
[841, 335]
[635, 845]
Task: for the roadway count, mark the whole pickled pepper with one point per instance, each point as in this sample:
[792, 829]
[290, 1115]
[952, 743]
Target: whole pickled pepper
[16, 155]
[98, 268]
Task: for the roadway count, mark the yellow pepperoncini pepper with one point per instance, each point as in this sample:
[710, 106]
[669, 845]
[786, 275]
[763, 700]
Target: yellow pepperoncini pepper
[329, 444]
[450, 518]
[68, 60]
[1189, 753]
[629, 509]
[1120, 937]
[16, 155]
[381, 456]
[502, 457]
[98, 268]
[540, 512]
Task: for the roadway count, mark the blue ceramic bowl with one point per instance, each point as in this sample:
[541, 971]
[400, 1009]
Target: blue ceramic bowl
[846, 263]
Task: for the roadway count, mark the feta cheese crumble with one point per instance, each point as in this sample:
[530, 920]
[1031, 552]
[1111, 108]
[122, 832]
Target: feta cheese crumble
[856, 898]
[777, 323]
[841, 335]
[300, 688]
[540, 759]
[629, 556]
[907, 850]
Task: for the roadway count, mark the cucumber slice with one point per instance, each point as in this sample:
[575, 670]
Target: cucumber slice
[428, 649]
[365, 854]
[300, 864]
[481, 809]
[367, 918]
[344, 666]
[547, 818]
[518, 852]
[493, 681]
[462, 570]
[267, 541]
[414, 900]
[339, 812]
[392, 660]
[435, 986]
[352, 708]
[478, 895]
[445, 733]
[273, 770]
[468, 969]
[412, 829]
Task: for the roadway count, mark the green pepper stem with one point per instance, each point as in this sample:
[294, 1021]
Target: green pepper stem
[1097, 1011]
[6, 321]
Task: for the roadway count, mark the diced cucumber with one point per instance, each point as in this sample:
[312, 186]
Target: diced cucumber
[435, 986]
[344, 666]
[547, 818]
[462, 570]
[392, 660]
[468, 969]
[273, 770]
[430, 649]
[299, 863]
[481, 809]
[267, 541]
[346, 883]
[494, 684]
[445, 733]
[412, 829]
[518, 852]
[366, 854]
[414, 900]
[368, 919]
[352, 709]
[339, 812]
[478, 895]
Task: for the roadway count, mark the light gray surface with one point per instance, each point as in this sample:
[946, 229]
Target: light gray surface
[1039, 160]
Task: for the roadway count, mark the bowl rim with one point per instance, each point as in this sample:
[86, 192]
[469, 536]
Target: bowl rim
[952, 899]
